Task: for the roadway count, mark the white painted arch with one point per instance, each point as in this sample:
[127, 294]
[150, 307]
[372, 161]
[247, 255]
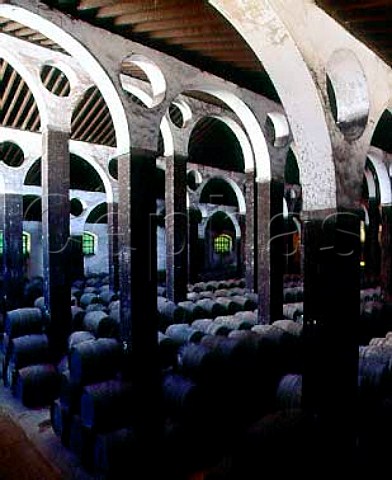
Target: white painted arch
[233, 219]
[242, 140]
[167, 135]
[237, 191]
[261, 163]
[87, 61]
[383, 180]
[268, 36]
[100, 171]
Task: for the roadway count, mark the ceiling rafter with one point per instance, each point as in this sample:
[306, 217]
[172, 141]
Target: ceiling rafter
[137, 6]
[161, 25]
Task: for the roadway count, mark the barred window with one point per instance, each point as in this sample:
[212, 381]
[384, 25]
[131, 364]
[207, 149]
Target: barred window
[26, 242]
[89, 243]
[223, 244]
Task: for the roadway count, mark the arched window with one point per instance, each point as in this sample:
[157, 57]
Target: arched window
[223, 244]
[26, 242]
[89, 243]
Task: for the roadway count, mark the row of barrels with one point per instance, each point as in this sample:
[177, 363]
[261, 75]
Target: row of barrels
[27, 366]
[186, 312]
[213, 285]
[375, 320]
[371, 294]
[94, 411]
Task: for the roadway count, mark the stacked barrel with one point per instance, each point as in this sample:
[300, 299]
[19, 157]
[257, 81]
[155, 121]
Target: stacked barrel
[28, 368]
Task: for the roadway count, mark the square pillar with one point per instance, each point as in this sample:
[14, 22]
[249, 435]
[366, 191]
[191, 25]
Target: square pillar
[270, 251]
[331, 317]
[249, 241]
[372, 245]
[113, 246]
[11, 224]
[386, 249]
[138, 283]
[56, 235]
[176, 224]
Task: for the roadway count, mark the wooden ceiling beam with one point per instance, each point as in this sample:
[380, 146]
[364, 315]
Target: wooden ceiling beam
[79, 117]
[37, 37]
[86, 117]
[99, 104]
[135, 6]
[200, 32]
[97, 121]
[214, 39]
[15, 99]
[12, 27]
[8, 88]
[167, 12]
[110, 138]
[3, 68]
[89, 4]
[25, 32]
[162, 25]
[235, 55]
[32, 110]
[22, 109]
[107, 127]
[211, 47]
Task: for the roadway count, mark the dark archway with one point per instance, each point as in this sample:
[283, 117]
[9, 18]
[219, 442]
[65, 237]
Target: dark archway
[214, 144]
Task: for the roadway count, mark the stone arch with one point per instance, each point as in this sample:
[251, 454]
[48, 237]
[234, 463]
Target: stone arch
[100, 171]
[370, 183]
[152, 91]
[261, 157]
[231, 216]
[167, 137]
[236, 190]
[84, 57]
[382, 178]
[269, 41]
[242, 140]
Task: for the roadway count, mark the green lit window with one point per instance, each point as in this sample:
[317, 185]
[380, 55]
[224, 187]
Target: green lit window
[26, 243]
[89, 243]
[26, 239]
[223, 244]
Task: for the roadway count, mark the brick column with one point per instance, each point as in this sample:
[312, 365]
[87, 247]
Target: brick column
[386, 249]
[176, 223]
[113, 246]
[331, 316]
[139, 326]
[270, 251]
[194, 216]
[372, 246]
[56, 235]
[250, 225]
[11, 222]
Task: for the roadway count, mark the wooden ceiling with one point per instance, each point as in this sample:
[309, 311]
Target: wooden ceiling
[191, 30]
[368, 20]
[91, 120]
